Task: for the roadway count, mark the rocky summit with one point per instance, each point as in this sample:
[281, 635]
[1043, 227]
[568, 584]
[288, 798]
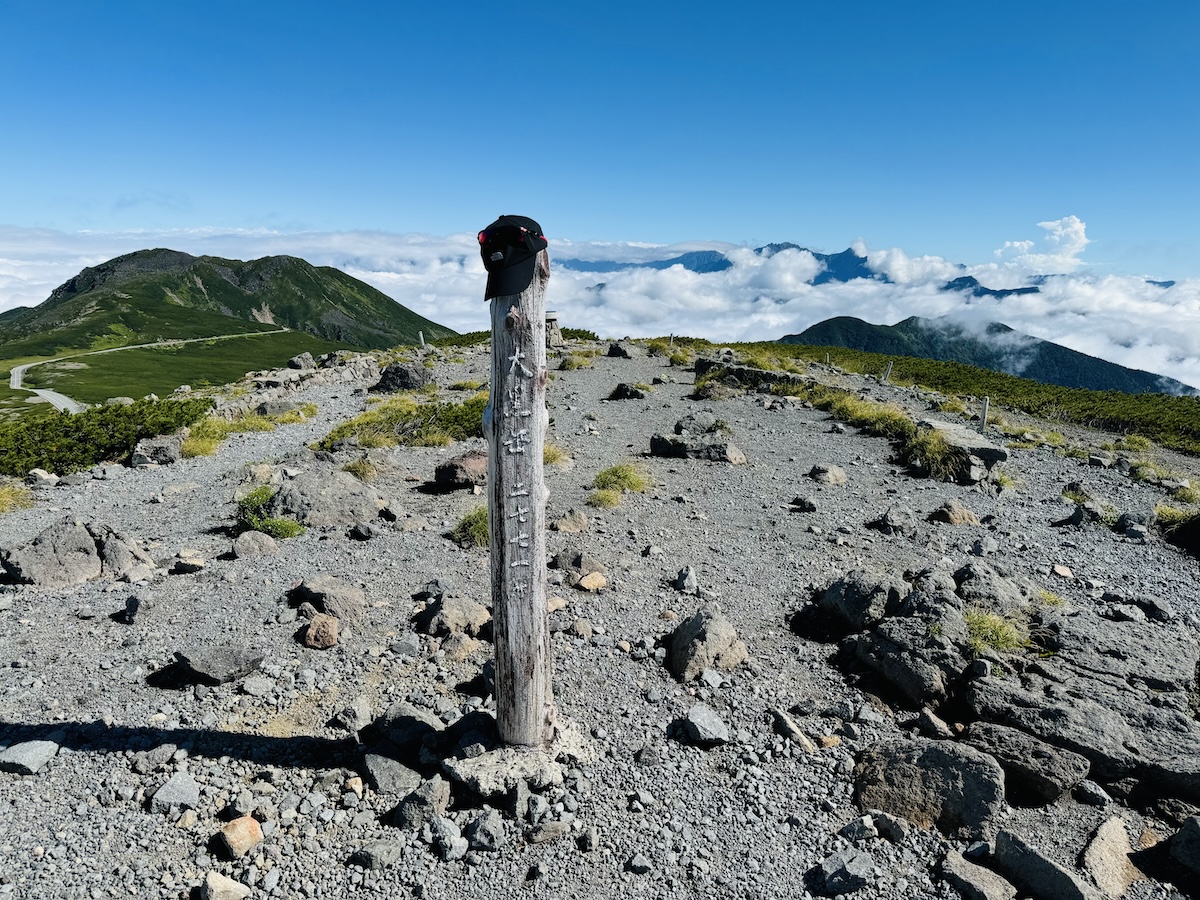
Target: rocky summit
[785, 663]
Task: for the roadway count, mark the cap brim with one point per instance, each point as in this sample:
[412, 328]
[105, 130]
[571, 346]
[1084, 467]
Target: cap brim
[512, 279]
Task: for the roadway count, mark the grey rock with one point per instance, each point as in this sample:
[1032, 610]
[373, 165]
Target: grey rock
[454, 615]
[390, 776]
[952, 786]
[1090, 793]
[589, 839]
[982, 585]
[802, 504]
[574, 522]
[463, 471]
[153, 759]
[547, 832]
[846, 871]
[1031, 871]
[973, 881]
[863, 597]
[625, 391]
[447, 838]
[824, 473]
[786, 726]
[1033, 769]
[356, 716]
[898, 519]
[302, 361]
[1185, 845]
[220, 664]
[407, 726]
[221, 887]
[72, 552]
[253, 544]
[28, 757]
[332, 596]
[496, 773]
[625, 350]
[321, 496]
[276, 407]
[706, 448]
[686, 580]
[486, 831]
[968, 443]
[704, 727]
[179, 790]
[705, 640]
[407, 645]
[423, 805]
[378, 855]
[402, 377]
[158, 451]
[1106, 858]
[638, 864]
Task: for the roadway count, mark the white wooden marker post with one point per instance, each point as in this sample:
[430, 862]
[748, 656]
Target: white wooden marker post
[516, 432]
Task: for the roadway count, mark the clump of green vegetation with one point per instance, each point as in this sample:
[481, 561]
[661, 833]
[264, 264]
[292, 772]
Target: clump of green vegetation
[14, 495]
[472, 529]
[1186, 494]
[362, 469]
[466, 385]
[207, 435]
[1135, 442]
[989, 632]
[1003, 480]
[295, 416]
[574, 361]
[1075, 451]
[643, 386]
[1170, 518]
[622, 477]
[604, 498]
[63, 443]
[1075, 496]
[251, 516]
[879, 419]
[402, 420]
[680, 358]
[1049, 598]
[470, 339]
[929, 452]
[552, 454]
[1056, 439]
[579, 334]
[952, 405]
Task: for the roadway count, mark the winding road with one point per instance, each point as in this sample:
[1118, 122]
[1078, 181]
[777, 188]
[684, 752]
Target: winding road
[66, 404]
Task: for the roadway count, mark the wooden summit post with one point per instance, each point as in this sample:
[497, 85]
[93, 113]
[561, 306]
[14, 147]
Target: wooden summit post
[515, 428]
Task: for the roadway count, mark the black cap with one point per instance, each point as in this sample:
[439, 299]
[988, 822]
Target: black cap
[509, 247]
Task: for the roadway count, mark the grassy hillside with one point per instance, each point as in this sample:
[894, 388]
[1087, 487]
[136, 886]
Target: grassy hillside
[159, 370]
[153, 295]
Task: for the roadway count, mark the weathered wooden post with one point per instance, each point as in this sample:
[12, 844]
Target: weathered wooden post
[888, 373]
[514, 253]
[983, 416]
[421, 335]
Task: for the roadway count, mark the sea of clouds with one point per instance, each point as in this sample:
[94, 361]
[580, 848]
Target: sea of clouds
[1124, 319]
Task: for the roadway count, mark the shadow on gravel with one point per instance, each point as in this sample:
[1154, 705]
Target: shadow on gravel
[96, 737]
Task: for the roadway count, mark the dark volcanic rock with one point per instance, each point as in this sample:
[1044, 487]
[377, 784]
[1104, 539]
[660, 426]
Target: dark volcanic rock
[1034, 770]
[402, 377]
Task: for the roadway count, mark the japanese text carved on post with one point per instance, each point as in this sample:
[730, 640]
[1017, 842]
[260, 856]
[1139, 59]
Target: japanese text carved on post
[514, 253]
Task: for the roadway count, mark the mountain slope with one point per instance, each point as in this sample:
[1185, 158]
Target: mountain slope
[996, 347]
[164, 294]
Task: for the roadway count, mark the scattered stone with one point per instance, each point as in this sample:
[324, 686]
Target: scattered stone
[253, 544]
[188, 561]
[496, 773]
[686, 580]
[486, 831]
[1032, 872]
[325, 495]
[786, 726]
[1062, 571]
[344, 601]
[547, 832]
[574, 522]
[707, 448]
[241, 836]
[407, 726]
[154, 759]
[898, 519]
[846, 871]
[704, 727]
[322, 632]
[705, 640]
[828, 474]
[638, 864]
[454, 615]
[463, 471]
[158, 451]
[973, 881]
[592, 581]
[589, 839]
[356, 716]
[390, 776]
[625, 391]
[220, 664]
[862, 598]
[427, 802]
[180, 790]
[378, 855]
[952, 512]
[1107, 858]
[952, 786]
[221, 887]
[1087, 791]
[802, 504]
[625, 350]
[448, 840]
[28, 757]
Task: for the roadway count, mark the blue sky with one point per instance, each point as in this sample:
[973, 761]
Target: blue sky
[940, 128]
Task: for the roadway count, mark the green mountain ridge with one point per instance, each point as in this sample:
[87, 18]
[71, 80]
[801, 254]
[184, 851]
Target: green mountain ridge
[162, 294]
[995, 346]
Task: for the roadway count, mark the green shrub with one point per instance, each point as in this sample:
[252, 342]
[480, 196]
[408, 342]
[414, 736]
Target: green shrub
[206, 436]
[402, 420]
[1186, 495]
[251, 516]
[14, 495]
[472, 529]
[574, 361]
[63, 443]
[622, 477]
[579, 334]
[466, 385]
[604, 498]
[953, 406]
[470, 339]
[362, 469]
[928, 451]
[991, 632]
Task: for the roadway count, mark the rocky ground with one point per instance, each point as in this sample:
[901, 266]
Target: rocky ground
[179, 716]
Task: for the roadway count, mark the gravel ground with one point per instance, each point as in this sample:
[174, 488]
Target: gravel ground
[747, 819]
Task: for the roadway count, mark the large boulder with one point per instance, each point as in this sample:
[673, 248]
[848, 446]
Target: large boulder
[863, 597]
[325, 496]
[333, 596]
[402, 377]
[463, 471]
[709, 448]
[71, 552]
[158, 451]
[704, 640]
[952, 786]
[1035, 771]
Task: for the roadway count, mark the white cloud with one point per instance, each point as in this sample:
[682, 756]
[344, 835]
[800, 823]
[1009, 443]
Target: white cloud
[1123, 319]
